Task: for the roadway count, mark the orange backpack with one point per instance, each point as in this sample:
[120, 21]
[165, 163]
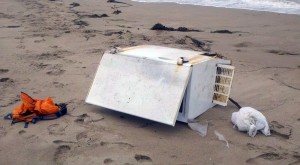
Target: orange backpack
[32, 110]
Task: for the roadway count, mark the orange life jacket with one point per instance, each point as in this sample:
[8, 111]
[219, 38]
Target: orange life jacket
[32, 110]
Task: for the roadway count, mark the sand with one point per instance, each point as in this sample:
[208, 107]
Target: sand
[53, 47]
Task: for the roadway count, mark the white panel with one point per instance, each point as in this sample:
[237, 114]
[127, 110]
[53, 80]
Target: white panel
[140, 87]
[201, 88]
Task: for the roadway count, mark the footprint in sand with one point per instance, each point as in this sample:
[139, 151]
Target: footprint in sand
[56, 72]
[271, 156]
[3, 15]
[254, 147]
[120, 145]
[108, 161]
[39, 66]
[6, 79]
[86, 119]
[6, 82]
[49, 56]
[3, 71]
[56, 129]
[243, 44]
[280, 130]
[82, 136]
[2, 132]
[282, 52]
[29, 138]
[9, 101]
[59, 85]
[83, 119]
[60, 153]
[62, 142]
[22, 132]
[39, 41]
[21, 46]
[142, 158]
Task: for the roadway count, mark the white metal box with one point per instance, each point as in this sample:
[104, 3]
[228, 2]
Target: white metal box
[161, 84]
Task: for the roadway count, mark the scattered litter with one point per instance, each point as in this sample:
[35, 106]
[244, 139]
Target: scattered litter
[221, 137]
[200, 128]
[250, 120]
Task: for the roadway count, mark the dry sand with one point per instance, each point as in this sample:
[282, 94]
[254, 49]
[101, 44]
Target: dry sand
[49, 47]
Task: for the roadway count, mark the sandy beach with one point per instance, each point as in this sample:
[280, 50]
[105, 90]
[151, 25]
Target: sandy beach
[53, 48]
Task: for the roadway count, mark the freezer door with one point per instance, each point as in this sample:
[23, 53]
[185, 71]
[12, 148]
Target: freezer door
[141, 87]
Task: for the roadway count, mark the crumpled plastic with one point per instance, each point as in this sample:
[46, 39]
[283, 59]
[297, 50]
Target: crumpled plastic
[221, 137]
[200, 128]
[250, 120]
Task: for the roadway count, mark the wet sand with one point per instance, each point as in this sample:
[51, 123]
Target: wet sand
[53, 47]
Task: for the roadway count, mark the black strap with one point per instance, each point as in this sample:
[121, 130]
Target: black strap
[61, 112]
[235, 103]
[8, 116]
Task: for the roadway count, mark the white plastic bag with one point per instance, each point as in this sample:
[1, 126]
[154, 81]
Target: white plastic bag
[250, 120]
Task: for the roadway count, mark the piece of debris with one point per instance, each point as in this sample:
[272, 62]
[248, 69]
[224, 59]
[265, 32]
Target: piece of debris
[184, 29]
[142, 158]
[221, 137]
[282, 52]
[4, 79]
[4, 71]
[192, 42]
[159, 26]
[80, 23]
[74, 4]
[95, 16]
[114, 1]
[117, 12]
[200, 128]
[222, 31]
[215, 55]
[13, 26]
[198, 43]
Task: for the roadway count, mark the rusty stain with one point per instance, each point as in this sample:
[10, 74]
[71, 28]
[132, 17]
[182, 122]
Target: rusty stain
[178, 67]
[198, 58]
[132, 48]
